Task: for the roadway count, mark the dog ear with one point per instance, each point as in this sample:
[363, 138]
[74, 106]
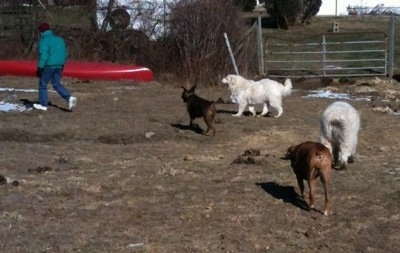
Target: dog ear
[290, 156]
[193, 88]
[232, 80]
[184, 88]
[289, 151]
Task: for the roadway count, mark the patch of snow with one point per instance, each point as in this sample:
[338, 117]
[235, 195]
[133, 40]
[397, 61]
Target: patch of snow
[7, 107]
[332, 95]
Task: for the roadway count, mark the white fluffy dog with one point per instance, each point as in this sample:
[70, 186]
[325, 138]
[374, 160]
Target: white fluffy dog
[339, 127]
[249, 93]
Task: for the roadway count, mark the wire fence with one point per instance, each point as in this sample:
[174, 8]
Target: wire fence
[367, 46]
[328, 55]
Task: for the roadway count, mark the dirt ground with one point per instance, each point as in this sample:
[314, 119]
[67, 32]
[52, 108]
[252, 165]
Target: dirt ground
[123, 172]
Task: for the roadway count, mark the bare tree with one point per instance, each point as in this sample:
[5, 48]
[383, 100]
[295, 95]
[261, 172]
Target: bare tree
[198, 46]
[108, 16]
[311, 8]
[246, 5]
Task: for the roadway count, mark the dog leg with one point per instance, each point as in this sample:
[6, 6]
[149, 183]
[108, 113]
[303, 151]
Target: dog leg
[241, 110]
[210, 126]
[192, 124]
[311, 185]
[277, 104]
[341, 160]
[343, 166]
[213, 131]
[325, 179]
[252, 110]
[336, 155]
[345, 154]
[265, 110]
[279, 109]
[301, 185]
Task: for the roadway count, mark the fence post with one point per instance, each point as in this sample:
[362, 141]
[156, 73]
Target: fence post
[260, 9]
[323, 55]
[231, 54]
[391, 47]
[260, 47]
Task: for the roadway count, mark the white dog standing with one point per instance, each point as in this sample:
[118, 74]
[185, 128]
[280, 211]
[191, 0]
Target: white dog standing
[339, 127]
[250, 93]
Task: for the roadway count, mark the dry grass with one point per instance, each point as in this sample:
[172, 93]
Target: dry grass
[97, 180]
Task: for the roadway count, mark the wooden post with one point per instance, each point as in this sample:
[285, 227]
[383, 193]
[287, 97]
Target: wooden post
[260, 47]
[391, 48]
[260, 52]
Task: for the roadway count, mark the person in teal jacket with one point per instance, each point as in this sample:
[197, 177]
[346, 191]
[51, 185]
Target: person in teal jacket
[52, 57]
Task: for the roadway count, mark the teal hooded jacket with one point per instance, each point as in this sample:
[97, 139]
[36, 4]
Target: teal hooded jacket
[52, 51]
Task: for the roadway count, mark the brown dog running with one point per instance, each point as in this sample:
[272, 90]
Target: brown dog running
[198, 107]
[310, 160]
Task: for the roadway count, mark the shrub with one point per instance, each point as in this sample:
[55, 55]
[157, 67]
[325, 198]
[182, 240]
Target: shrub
[292, 12]
[246, 5]
[196, 45]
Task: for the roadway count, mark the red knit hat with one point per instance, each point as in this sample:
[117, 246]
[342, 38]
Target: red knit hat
[43, 27]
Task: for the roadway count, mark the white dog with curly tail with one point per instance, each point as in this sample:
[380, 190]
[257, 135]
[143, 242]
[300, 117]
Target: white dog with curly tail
[267, 92]
[339, 127]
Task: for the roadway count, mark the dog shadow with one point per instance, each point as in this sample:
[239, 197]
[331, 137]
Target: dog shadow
[225, 111]
[245, 113]
[195, 129]
[29, 104]
[286, 193]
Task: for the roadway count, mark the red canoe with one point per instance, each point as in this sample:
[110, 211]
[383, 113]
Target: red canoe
[81, 70]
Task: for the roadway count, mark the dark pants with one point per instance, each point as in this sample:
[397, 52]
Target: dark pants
[53, 75]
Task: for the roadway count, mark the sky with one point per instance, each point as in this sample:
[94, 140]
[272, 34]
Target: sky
[328, 7]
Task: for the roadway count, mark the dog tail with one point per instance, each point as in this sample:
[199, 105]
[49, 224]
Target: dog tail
[319, 155]
[323, 159]
[287, 90]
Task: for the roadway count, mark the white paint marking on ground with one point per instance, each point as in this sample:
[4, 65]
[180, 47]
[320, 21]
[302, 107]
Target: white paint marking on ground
[19, 90]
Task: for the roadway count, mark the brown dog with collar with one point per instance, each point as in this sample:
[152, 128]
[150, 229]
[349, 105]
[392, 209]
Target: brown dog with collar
[309, 161]
[198, 107]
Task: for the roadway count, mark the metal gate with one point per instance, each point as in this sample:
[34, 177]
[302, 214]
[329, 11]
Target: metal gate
[327, 55]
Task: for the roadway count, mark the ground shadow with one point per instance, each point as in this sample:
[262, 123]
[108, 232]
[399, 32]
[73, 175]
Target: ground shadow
[195, 129]
[245, 113]
[29, 104]
[286, 193]
[226, 111]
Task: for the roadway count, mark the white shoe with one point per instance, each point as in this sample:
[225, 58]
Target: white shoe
[40, 107]
[72, 102]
